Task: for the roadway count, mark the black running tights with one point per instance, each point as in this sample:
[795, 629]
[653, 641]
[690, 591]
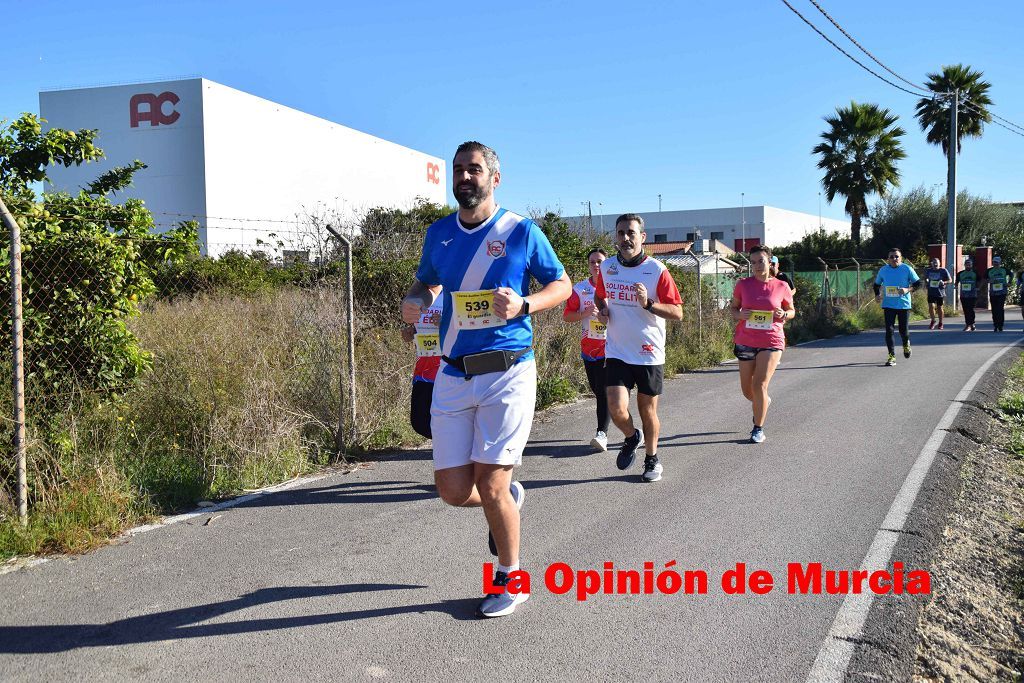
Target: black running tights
[597, 378]
[968, 306]
[891, 315]
[419, 408]
[998, 311]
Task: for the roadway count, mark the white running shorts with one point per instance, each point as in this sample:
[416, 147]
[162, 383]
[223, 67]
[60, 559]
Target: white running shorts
[486, 419]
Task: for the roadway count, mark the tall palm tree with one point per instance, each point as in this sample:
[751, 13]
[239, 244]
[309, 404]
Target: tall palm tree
[972, 109]
[859, 154]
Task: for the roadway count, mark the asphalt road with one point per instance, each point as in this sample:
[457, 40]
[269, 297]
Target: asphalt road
[368, 575]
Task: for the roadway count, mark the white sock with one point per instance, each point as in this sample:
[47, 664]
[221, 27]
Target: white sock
[509, 569]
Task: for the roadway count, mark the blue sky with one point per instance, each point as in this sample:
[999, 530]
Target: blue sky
[614, 103]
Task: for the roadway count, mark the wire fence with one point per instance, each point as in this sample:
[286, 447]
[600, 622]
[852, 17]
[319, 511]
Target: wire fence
[198, 371]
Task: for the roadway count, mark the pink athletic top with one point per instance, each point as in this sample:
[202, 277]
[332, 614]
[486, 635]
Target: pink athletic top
[761, 330]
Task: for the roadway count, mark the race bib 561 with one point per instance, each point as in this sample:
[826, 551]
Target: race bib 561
[760, 320]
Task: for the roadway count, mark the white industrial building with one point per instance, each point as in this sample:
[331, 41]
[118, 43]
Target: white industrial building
[767, 225]
[243, 166]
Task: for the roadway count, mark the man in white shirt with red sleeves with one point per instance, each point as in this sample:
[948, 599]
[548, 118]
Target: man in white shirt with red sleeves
[635, 295]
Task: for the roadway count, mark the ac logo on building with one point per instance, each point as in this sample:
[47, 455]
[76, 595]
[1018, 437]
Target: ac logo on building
[432, 173]
[150, 107]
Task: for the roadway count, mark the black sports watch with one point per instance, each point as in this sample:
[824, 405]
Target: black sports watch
[526, 308]
[650, 305]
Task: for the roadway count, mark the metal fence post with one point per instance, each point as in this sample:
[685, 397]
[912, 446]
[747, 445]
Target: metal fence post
[700, 307]
[350, 305]
[859, 283]
[18, 350]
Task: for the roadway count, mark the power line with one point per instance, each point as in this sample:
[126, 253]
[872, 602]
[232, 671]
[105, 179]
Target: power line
[979, 110]
[998, 120]
[851, 57]
[864, 50]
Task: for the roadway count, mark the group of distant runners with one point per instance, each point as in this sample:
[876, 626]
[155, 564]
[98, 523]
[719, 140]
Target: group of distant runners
[896, 280]
[470, 306]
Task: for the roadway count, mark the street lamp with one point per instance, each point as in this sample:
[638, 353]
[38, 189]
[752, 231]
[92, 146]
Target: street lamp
[600, 210]
[743, 219]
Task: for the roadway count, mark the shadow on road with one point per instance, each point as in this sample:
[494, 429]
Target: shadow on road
[184, 623]
[348, 492]
[557, 483]
[577, 449]
[677, 437]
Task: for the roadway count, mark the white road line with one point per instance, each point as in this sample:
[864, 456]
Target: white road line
[834, 656]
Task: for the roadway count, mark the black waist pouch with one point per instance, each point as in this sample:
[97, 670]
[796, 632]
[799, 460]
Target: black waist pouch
[486, 362]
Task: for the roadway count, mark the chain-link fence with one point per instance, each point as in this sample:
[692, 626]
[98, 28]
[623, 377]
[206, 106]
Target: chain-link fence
[148, 367]
[155, 372]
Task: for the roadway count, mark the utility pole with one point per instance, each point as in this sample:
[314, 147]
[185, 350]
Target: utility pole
[743, 220]
[600, 209]
[659, 203]
[590, 219]
[951, 264]
[820, 226]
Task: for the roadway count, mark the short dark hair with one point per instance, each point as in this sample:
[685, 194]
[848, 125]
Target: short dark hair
[597, 250]
[896, 249]
[490, 156]
[761, 248]
[628, 217]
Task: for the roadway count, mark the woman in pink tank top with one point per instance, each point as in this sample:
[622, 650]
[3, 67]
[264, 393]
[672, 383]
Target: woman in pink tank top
[761, 305]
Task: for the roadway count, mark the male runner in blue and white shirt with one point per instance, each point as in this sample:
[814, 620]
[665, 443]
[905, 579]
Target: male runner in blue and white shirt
[481, 259]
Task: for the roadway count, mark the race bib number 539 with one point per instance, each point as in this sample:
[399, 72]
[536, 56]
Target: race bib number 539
[475, 310]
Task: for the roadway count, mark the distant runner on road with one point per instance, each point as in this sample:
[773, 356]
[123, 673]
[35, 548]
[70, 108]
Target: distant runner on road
[483, 257]
[937, 279]
[761, 305]
[998, 286]
[580, 308]
[893, 285]
[967, 282]
[635, 295]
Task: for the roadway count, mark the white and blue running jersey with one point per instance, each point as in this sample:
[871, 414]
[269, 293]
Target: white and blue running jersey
[470, 264]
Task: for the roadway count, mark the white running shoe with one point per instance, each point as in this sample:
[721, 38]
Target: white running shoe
[600, 441]
[652, 468]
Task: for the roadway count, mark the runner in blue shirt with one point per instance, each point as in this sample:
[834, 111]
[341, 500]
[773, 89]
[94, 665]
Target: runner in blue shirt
[937, 279]
[893, 285]
[482, 406]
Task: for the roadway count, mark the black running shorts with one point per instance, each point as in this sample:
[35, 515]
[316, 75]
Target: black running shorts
[648, 379]
[744, 352]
